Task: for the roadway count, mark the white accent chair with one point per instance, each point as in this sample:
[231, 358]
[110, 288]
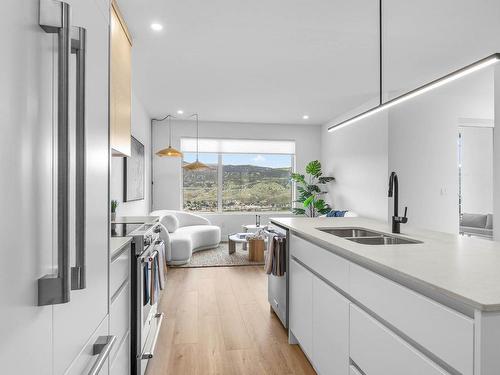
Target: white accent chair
[187, 233]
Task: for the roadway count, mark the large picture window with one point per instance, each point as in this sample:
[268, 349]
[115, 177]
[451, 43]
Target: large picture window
[239, 181]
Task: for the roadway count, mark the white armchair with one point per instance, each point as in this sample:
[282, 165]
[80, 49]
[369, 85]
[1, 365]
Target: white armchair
[187, 233]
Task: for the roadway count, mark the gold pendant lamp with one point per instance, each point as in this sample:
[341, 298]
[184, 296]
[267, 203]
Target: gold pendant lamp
[197, 165]
[169, 151]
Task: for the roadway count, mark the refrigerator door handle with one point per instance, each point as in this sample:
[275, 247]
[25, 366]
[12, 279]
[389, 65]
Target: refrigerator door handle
[78, 271]
[55, 19]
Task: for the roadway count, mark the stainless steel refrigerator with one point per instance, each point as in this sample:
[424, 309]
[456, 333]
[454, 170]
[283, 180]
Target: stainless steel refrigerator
[54, 165]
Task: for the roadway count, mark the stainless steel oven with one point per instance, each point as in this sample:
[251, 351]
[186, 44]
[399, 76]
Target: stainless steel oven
[145, 316]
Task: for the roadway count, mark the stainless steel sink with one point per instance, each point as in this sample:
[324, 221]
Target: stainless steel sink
[350, 232]
[368, 237]
[385, 240]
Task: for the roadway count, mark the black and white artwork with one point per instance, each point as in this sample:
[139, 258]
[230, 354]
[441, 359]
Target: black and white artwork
[134, 173]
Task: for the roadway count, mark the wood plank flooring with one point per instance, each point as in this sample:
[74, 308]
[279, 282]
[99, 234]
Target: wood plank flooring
[218, 321]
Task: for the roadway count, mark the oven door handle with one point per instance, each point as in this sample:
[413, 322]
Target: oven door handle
[150, 354]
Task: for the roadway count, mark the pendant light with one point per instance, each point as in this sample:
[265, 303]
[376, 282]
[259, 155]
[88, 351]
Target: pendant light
[197, 165]
[475, 66]
[169, 151]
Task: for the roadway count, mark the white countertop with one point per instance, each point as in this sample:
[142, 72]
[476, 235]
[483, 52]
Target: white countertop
[117, 243]
[464, 269]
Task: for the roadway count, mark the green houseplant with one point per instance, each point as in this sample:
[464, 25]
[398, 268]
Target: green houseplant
[114, 205]
[309, 190]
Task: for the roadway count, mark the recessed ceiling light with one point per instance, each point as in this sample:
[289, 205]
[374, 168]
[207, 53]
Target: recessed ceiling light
[305, 117]
[180, 112]
[156, 26]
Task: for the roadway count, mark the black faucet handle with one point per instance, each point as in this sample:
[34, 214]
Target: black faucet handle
[404, 219]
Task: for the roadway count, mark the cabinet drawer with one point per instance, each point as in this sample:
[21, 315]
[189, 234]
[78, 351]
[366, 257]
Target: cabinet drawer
[119, 316]
[330, 266]
[444, 332]
[378, 351]
[86, 359]
[119, 270]
[121, 363]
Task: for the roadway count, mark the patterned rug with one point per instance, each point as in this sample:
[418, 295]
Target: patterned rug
[220, 257]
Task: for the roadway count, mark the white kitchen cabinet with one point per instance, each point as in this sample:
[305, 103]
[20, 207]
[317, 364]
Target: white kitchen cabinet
[378, 351]
[330, 330]
[301, 287]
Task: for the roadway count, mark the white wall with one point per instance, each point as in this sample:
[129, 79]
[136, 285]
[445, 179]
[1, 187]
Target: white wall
[167, 171]
[477, 169]
[140, 130]
[357, 157]
[423, 148]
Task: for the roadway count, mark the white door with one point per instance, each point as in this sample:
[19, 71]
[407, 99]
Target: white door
[26, 188]
[330, 330]
[76, 321]
[301, 305]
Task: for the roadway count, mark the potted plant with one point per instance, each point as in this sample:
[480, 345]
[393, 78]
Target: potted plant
[114, 205]
[309, 190]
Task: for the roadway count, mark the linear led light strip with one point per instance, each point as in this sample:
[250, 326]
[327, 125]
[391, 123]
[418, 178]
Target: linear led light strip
[483, 63]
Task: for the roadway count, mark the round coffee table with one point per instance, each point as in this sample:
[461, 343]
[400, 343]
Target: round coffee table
[235, 238]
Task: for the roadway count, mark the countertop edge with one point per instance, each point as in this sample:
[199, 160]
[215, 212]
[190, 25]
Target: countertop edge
[412, 283]
[118, 243]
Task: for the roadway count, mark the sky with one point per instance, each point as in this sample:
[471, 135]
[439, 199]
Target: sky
[261, 160]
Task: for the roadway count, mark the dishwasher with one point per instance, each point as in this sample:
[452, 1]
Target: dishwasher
[277, 286]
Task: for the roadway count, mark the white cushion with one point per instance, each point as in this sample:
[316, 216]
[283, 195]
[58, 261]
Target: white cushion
[185, 218]
[170, 222]
[201, 236]
[188, 233]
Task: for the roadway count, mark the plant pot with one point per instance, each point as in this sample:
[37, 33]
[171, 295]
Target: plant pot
[113, 216]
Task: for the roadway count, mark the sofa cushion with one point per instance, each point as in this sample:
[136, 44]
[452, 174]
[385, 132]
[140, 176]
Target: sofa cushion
[473, 220]
[170, 222]
[201, 236]
[489, 221]
[181, 248]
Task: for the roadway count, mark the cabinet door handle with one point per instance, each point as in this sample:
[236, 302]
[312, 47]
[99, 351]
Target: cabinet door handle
[78, 271]
[55, 19]
[102, 348]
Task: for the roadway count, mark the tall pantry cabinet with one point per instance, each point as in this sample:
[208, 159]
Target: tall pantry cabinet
[54, 187]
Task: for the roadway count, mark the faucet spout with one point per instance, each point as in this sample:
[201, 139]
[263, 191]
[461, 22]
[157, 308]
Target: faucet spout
[394, 193]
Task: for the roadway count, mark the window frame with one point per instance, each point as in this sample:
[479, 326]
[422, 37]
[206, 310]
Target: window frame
[220, 184]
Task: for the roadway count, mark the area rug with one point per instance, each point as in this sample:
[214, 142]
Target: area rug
[220, 257]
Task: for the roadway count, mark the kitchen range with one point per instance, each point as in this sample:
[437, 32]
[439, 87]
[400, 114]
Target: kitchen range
[148, 278]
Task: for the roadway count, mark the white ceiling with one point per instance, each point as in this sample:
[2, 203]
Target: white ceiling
[254, 61]
[272, 61]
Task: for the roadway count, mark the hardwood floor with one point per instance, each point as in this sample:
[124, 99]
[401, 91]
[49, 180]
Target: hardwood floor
[218, 321]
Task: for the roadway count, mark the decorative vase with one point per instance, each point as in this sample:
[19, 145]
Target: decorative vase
[113, 216]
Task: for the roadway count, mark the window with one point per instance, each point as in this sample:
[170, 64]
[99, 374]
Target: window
[245, 175]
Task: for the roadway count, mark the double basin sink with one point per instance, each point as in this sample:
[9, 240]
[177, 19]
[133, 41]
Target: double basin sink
[368, 237]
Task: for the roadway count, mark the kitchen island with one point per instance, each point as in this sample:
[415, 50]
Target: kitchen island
[431, 307]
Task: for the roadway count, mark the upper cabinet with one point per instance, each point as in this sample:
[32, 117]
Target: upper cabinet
[120, 84]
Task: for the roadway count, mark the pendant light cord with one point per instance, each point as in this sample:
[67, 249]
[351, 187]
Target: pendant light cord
[197, 134]
[380, 49]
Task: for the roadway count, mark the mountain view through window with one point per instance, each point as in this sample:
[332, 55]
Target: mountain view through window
[238, 182]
